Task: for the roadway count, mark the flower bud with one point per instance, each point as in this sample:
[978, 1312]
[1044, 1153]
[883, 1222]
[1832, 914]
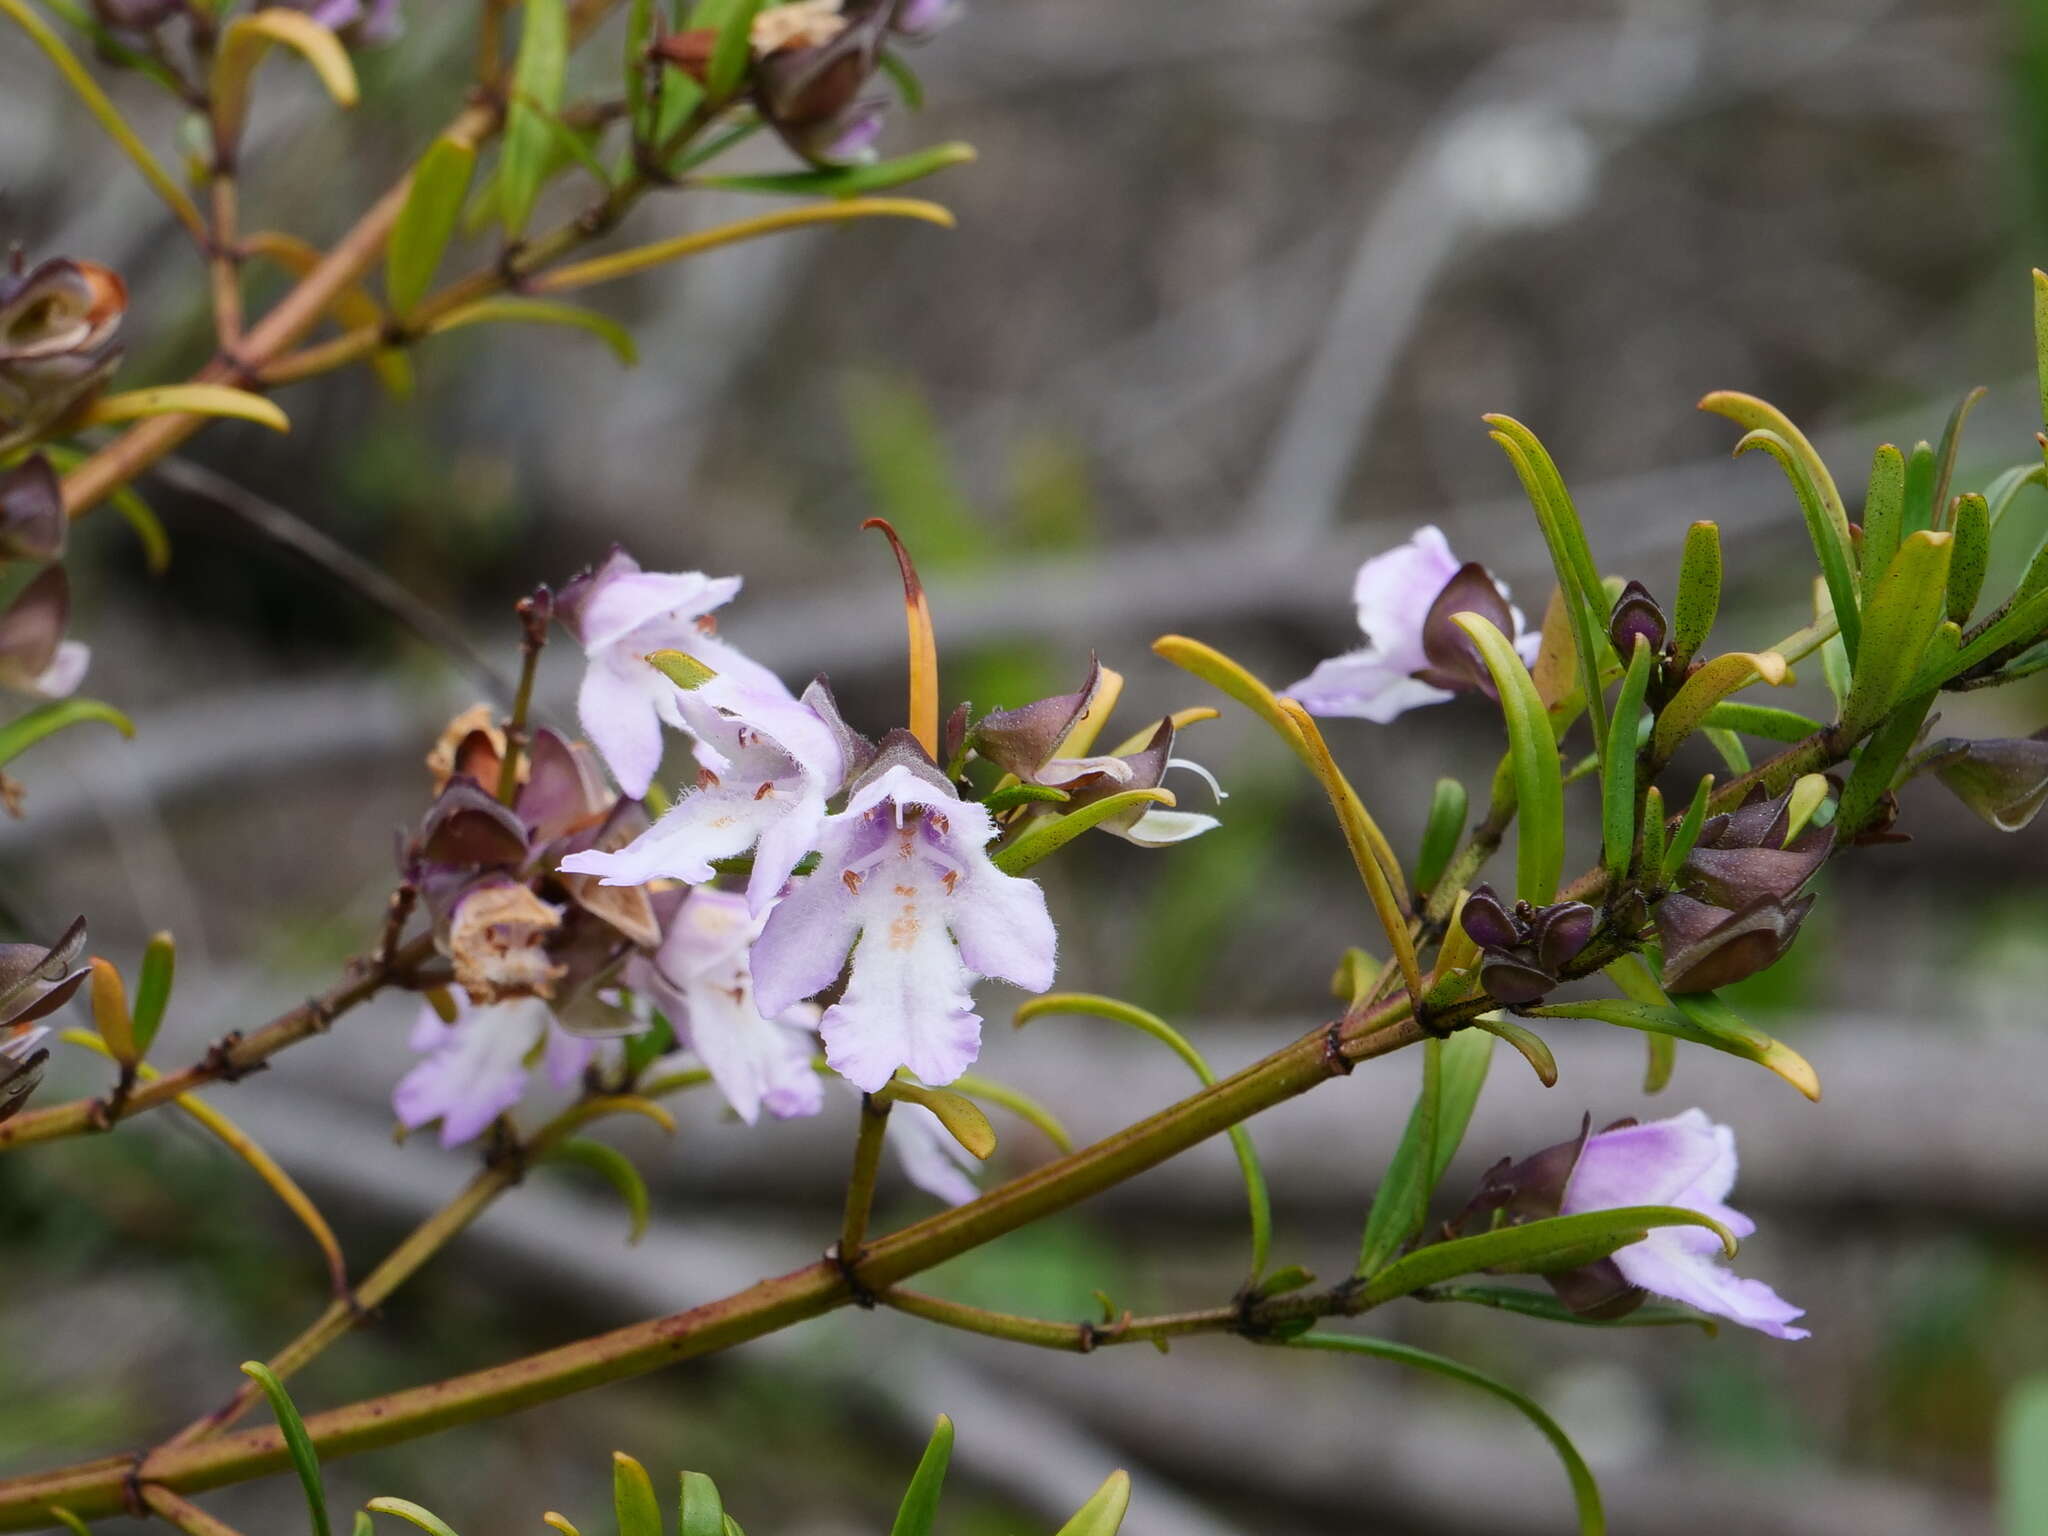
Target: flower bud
[813, 95]
[32, 520]
[35, 658]
[57, 328]
[2005, 781]
[1636, 613]
[1706, 947]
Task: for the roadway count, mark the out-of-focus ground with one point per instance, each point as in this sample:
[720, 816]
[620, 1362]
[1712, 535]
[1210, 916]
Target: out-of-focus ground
[1231, 288]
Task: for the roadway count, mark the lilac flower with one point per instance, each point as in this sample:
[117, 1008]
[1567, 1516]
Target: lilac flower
[700, 980]
[1413, 655]
[905, 886]
[768, 769]
[1687, 1161]
[476, 1068]
[620, 614]
[931, 1158]
[359, 23]
[919, 19]
[35, 658]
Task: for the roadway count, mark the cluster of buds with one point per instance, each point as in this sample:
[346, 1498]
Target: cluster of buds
[1524, 949]
[35, 658]
[1686, 1161]
[814, 63]
[1737, 902]
[35, 982]
[58, 327]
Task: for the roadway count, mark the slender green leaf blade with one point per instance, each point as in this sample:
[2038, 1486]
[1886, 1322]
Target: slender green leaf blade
[1539, 780]
[1826, 527]
[297, 1443]
[849, 180]
[1048, 834]
[1618, 775]
[1884, 516]
[615, 1168]
[633, 1498]
[440, 183]
[703, 1512]
[920, 1507]
[1971, 561]
[1585, 1491]
[1901, 621]
[1103, 1514]
[413, 1514]
[45, 720]
[1447, 808]
[1698, 601]
[1701, 1018]
[153, 989]
[537, 77]
[1541, 1304]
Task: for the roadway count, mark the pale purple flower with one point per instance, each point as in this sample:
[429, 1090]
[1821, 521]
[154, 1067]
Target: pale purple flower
[359, 23]
[700, 980]
[1395, 593]
[768, 768]
[919, 19]
[931, 1158]
[621, 614]
[1687, 1161]
[477, 1068]
[905, 885]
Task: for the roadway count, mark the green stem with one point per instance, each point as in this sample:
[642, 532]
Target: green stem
[860, 1188]
[95, 1489]
[231, 1057]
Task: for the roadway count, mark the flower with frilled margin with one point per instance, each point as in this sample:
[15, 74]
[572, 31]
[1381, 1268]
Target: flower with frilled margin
[620, 615]
[904, 885]
[35, 658]
[1687, 1161]
[700, 980]
[1414, 654]
[768, 767]
[478, 1066]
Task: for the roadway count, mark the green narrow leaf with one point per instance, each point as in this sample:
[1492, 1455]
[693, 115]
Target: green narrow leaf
[1826, 527]
[1453, 1072]
[633, 1498]
[960, 1115]
[1698, 601]
[1103, 1514]
[733, 21]
[1585, 1491]
[850, 180]
[1534, 1246]
[1902, 619]
[2009, 484]
[426, 223]
[2041, 337]
[1752, 414]
[1654, 825]
[1879, 759]
[1447, 808]
[633, 77]
[1531, 1045]
[1971, 560]
[1729, 745]
[1919, 508]
[1093, 1005]
[1884, 516]
[1539, 787]
[1541, 1304]
[1018, 1103]
[1011, 796]
[1945, 458]
[703, 1512]
[365, 1526]
[45, 720]
[542, 312]
[903, 77]
[73, 1524]
[1048, 834]
[1572, 558]
[1679, 849]
[297, 1443]
[1660, 1061]
[537, 76]
[920, 1507]
[1618, 775]
[1701, 1018]
[1762, 720]
[415, 1514]
[617, 1169]
[1710, 683]
[1808, 794]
